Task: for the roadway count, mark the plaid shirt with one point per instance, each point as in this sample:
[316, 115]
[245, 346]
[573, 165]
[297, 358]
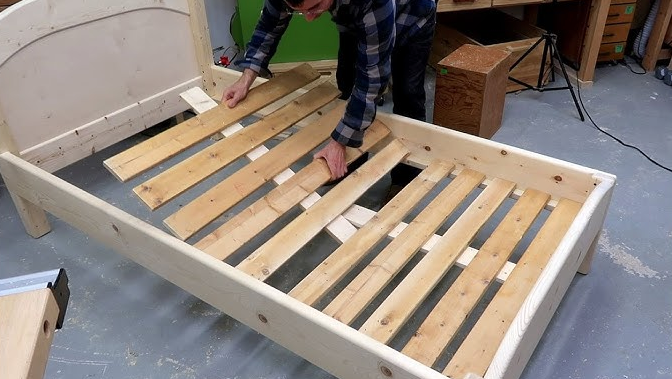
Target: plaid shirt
[378, 25]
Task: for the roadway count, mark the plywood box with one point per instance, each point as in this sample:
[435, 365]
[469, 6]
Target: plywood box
[491, 28]
[470, 90]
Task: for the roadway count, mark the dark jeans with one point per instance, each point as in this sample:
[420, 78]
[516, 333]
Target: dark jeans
[408, 81]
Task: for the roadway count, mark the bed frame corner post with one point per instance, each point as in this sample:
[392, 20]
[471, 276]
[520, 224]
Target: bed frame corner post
[33, 217]
[202, 43]
[586, 263]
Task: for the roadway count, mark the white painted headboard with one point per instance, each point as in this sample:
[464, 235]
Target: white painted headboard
[79, 75]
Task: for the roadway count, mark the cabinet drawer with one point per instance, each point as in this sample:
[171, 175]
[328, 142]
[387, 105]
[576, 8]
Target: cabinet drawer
[615, 33]
[620, 13]
[611, 51]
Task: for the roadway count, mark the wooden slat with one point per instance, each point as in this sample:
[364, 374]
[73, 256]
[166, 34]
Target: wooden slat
[198, 100]
[477, 350]
[449, 314]
[153, 151]
[393, 313]
[340, 262]
[179, 178]
[368, 284]
[276, 251]
[194, 216]
[291, 191]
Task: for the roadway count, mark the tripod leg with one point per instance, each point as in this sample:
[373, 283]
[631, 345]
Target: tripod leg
[555, 52]
[552, 68]
[531, 49]
[540, 79]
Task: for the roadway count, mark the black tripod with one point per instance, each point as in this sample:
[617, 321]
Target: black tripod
[552, 49]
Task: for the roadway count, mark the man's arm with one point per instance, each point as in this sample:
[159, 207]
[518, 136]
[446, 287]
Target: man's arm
[376, 33]
[270, 28]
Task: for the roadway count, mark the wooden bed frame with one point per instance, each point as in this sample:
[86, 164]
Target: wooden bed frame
[78, 76]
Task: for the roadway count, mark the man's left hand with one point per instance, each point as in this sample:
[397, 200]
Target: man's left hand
[334, 154]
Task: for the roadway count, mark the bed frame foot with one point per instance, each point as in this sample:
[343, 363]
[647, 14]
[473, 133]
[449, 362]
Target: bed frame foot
[587, 262]
[33, 217]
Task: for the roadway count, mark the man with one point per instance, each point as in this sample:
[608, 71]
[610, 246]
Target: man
[379, 39]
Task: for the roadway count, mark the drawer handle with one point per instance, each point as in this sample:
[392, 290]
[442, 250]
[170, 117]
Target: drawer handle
[614, 15]
[610, 35]
[604, 53]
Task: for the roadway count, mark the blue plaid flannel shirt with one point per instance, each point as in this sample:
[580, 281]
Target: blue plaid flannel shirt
[378, 25]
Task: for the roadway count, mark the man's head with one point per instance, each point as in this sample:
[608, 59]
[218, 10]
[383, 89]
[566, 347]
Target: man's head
[310, 9]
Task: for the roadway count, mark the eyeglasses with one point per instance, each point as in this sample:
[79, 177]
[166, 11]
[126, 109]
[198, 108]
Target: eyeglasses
[307, 13]
[312, 12]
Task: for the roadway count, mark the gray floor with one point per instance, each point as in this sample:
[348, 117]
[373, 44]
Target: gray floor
[125, 322]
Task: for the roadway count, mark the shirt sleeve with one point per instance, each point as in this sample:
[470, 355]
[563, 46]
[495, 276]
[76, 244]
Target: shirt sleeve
[376, 33]
[264, 42]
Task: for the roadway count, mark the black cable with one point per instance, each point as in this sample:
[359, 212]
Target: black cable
[578, 89]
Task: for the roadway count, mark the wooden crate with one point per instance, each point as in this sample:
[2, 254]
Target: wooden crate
[491, 28]
[470, 90]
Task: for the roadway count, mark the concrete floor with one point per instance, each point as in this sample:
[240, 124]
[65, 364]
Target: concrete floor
[125, 322]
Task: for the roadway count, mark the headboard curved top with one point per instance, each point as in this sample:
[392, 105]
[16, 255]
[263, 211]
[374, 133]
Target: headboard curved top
[69, 65]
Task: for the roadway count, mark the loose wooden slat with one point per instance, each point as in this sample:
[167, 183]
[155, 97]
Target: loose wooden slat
[291, 190]
[477, 350]
[214, 202]
[340, 262]
[368, 284]
[340, 229]
[271, 255]
[155, 150]
[449, 314]
[179, 178]
[393, 313]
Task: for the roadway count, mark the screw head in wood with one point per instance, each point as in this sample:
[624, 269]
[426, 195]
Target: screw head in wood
[558, 178]
[262, 318]
[386, 371]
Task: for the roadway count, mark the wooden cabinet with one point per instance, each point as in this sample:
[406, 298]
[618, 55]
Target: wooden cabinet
[619, 18]
[570, 20]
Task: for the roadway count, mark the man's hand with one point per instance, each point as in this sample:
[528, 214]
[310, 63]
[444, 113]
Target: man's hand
[238, 90]
[334, 154]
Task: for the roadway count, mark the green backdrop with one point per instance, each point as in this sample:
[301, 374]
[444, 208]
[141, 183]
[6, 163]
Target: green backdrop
[303, 40]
